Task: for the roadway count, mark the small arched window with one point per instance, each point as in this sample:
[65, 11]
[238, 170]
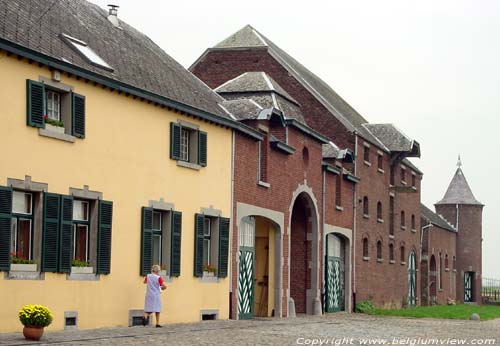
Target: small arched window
[413, 223]
[365, 247]
[403, 221]
[366, 208]
[446, 264]
[379, 211]
[391, 252]
[403, 256]
[379, 250]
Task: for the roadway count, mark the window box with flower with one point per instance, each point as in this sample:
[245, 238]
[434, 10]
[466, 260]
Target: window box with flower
[209, 270]
[81, 267]
[19, 264]
[53, 125]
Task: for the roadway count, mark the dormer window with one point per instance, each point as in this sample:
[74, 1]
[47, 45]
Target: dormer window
[87, 52]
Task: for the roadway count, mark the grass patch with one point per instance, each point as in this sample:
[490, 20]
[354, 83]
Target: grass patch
[458, 312]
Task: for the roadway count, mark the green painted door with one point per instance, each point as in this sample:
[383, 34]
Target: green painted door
[412, 279]
[333, 287]
[468, 277]
[246, 254]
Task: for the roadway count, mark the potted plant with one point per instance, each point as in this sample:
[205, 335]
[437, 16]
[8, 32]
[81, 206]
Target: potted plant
[79, 266]
[53, 125]
[34, 318]
[209, 270]
[18, 263]
[163, 271]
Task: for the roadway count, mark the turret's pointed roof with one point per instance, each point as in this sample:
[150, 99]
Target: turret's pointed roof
[459, 191]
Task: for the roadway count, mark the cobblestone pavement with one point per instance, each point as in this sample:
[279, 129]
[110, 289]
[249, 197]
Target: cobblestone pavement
[344, 329]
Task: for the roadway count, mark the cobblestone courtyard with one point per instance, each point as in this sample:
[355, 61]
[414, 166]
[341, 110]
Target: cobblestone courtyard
[341, 328]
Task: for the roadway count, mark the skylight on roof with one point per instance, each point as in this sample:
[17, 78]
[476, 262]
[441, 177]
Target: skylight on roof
[86, 52]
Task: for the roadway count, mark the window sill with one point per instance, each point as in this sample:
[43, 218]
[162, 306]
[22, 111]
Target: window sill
[380, 260]
[209, 279]
[339, 208]
[380, 170]
[391, 236]
[380, 220]
[189, 165]
[366, 258]
[56, 135]
[392, 194]
[24, 275]
[403, 263]
[392, 261]
[403, 182]
[367, 163]
[447, 270]
[413, 230]
[82, 277]
[403, 228]
[414, 188]
[17, 267]
[264, 184]
[366, 216]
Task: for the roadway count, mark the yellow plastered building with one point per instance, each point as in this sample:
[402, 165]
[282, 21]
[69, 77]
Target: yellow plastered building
[139, 174]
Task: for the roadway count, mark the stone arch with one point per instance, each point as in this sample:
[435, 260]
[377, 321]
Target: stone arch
[304, 221]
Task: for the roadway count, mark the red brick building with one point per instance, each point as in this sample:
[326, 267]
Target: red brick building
[385, 206]
[283, 190]
[439, 261]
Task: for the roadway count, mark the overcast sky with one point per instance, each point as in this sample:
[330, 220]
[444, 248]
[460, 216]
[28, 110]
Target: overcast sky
[431, 67]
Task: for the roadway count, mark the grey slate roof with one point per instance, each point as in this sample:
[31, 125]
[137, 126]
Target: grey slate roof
[435, 219]
[135, 59]
[251, 82]
[393, 138]
[459, 191]
[263, 90]
[242, 109]
[248, 37]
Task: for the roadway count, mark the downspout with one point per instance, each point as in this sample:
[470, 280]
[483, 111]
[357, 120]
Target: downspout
[422, 238]
[353, 257]
[231, 227]
[323, 250]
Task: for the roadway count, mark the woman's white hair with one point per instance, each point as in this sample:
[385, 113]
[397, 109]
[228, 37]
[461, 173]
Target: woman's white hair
[155, 269]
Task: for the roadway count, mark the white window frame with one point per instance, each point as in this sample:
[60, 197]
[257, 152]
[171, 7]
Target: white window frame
[207, 240]
[18, 215]
[77, 222]
[53, 105]
[185, 143]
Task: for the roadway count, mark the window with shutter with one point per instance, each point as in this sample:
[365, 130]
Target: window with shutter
[147, 241]
[223, 247]
[188, 145]
[198, 244]
[176, 232]
[35, 103]
[105, 221]
[5, 220]
[53, 107]
[50, 232]
[66, 234]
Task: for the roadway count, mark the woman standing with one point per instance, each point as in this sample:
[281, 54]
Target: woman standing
[155, 285]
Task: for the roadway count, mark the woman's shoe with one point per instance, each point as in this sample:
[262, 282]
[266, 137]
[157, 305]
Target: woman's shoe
[158, 326]
[145, 321]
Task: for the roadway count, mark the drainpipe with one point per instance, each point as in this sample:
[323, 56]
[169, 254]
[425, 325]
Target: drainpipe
[323, 250]
[353, 257]
[422, 238]
[231, 227]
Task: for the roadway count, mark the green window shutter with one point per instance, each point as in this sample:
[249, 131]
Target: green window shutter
[223, 247]
[175, 251]
[202, 148]
[105, 221]
[146, 241]
[199, 224]
[35, 99]
[5, 220]
[50, 232]
[78, 115]
[66, 234]
[175, 141]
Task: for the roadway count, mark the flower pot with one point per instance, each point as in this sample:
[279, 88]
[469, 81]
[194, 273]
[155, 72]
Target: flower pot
[163, 273]
[17, 267]
[82, 270]
[53, 128]
[209, 274]
[33, 333]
